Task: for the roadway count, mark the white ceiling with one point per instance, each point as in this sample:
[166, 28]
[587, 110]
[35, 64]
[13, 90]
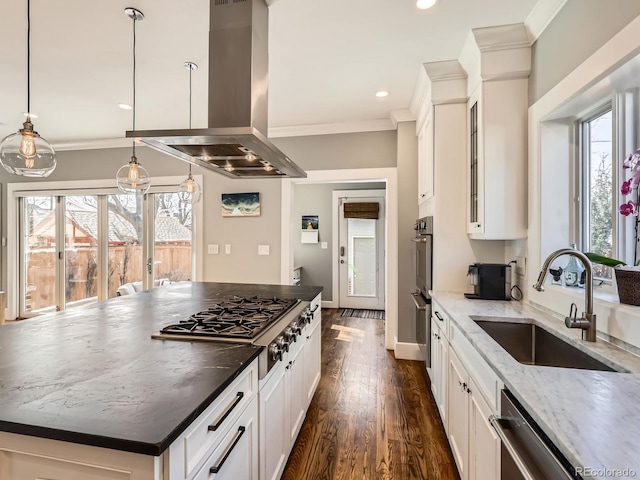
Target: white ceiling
[327, 59]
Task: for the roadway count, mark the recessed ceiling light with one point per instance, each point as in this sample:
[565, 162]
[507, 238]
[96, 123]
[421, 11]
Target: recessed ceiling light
[381, 93]
[32, 115]
[425, 4]
[125, 106]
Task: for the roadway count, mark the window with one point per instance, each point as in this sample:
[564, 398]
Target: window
[598, 215]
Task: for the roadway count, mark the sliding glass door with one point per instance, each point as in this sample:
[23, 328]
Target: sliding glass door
[82, 248]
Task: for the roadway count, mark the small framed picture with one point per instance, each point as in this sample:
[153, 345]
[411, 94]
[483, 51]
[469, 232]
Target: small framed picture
[241, 204]
[309, 222]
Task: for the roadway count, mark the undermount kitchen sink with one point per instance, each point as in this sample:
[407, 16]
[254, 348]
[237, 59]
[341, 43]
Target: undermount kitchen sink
[532, 345]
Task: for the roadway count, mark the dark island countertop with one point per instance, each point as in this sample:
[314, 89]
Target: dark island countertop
[93, 375]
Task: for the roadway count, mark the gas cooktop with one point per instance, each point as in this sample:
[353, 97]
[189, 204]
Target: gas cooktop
[232, 318]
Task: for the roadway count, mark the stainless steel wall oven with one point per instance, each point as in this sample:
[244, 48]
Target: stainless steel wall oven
[423, 240]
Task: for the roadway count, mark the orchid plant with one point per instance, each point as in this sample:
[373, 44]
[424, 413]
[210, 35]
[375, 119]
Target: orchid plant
[630, 187]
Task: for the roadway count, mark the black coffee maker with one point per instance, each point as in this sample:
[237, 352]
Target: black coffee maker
[491, 281]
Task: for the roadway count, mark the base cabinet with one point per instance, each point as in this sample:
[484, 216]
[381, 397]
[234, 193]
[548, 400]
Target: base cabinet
[439, 365]
[474, 443]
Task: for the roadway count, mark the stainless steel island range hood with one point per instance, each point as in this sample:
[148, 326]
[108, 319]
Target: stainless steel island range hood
[235, 143]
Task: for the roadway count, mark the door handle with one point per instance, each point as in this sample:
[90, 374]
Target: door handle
[149, 266]
[342, 251]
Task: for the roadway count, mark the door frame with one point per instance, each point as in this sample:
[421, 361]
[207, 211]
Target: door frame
[56, 188]
[290, 225]
[380, 248]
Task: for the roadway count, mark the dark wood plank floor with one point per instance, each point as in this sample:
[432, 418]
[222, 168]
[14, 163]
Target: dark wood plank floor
[372, 417]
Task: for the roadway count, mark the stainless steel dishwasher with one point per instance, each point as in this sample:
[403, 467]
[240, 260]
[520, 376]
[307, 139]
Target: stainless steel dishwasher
[526, 455]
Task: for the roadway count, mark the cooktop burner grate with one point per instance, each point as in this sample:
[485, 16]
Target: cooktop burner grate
[234, 317]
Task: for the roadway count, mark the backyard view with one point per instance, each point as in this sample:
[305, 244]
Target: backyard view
[82, 233]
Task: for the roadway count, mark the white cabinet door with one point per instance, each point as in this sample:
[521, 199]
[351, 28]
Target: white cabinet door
[435, 360]
[484, 444]
[237, 455]
[443, 361]
[312, 359]
[425, 160]
[295, 388]
[274, 428]
[458, 414]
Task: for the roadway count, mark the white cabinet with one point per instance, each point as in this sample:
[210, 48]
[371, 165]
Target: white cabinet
[439, 360]
[497, 160]
[425, 160]
[232, 416]
[312, 360]
[474, 443]
[236, 456]
[285, 395]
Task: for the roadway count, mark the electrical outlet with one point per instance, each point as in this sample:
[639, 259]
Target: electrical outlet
[263, 249]
[213, 249]
[324, 245]
[521, 266]
[227, 249]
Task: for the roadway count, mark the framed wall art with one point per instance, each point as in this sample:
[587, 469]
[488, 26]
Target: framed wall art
[241, 204]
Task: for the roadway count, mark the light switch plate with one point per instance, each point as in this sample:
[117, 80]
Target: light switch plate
[263, 249]
[213, 249]
[324, 245]
[227, 249]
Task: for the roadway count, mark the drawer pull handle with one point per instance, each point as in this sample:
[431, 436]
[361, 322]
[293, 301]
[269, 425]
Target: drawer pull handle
[220, 420]
[236, 439]
[315, 308]
[437, 314]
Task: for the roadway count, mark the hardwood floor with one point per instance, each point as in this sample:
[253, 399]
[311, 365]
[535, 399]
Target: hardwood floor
[372, 417]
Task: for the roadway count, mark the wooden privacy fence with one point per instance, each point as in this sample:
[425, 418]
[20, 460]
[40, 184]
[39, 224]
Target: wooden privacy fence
[172, 262]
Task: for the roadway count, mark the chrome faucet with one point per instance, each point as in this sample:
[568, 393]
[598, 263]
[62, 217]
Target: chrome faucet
[588, 320]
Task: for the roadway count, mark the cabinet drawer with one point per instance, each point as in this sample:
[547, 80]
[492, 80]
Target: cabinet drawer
[441, 318]
[483, 375]
[193, 446]
[236, 456]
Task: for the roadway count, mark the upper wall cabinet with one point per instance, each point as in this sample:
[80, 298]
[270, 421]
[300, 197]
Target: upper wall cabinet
[425, 160]
[498, 62]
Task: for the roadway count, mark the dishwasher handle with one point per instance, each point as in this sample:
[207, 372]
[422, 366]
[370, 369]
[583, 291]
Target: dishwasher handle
[496, 423]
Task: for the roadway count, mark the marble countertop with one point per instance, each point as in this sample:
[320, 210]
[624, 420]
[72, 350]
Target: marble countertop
[592, 417]
[94, 375]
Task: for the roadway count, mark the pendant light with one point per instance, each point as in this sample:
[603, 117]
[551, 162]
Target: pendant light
[190, 186]
[26, 153]
[133, 178]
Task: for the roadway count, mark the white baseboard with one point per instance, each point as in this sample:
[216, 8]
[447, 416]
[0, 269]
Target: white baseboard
[329, 304]
[408, 351]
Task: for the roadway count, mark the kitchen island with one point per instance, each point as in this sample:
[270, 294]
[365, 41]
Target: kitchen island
[590, 416]
[94, 376]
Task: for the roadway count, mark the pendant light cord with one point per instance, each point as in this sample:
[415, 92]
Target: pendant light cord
[134, 83]
[190, 104]
[28, 59]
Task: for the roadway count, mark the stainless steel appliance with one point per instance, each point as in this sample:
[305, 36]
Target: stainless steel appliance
[423, 240]
[491, 281]
[270, 322]
[235, 143]
[526, 453]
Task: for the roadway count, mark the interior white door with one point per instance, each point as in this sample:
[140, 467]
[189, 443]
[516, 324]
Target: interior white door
[361, 257]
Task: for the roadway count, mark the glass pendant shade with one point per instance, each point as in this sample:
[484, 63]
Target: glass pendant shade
[191, 187]
[133, 178]
[27, 154]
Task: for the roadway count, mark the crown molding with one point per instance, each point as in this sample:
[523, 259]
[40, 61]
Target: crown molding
[541, 16]
[332, 128]
[91, 144]
[501, 37]
[401, 115]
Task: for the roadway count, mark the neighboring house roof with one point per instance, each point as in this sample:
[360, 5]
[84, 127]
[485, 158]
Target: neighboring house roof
[168, 229]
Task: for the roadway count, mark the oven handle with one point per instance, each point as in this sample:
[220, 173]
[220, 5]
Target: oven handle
[419, 239]
[494, 420]
[419, 306]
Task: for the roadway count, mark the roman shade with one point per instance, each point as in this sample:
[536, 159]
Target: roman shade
[362, 210]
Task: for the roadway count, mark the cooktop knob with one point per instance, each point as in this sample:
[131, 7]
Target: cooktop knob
[282, 344]
[290, 334]
[274, 352]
